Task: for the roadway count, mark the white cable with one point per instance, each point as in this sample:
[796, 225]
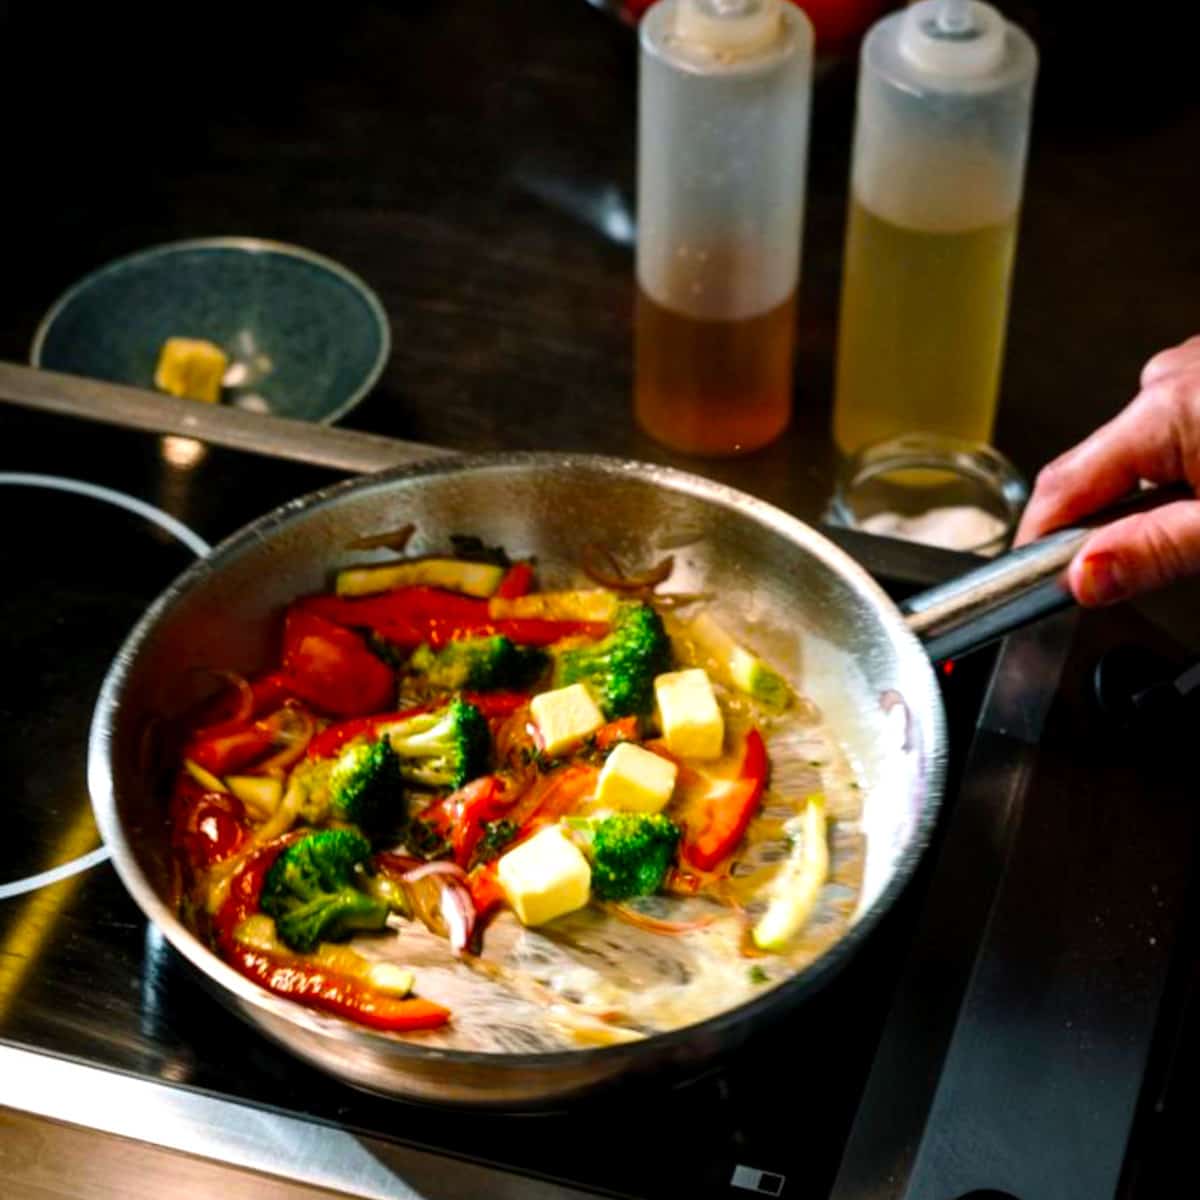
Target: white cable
[193, 541]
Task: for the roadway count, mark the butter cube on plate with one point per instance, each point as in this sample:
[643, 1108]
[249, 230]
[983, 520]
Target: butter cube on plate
[635, 780]
[545, 877]
[191, 368]
[565, 717]
[690, 716]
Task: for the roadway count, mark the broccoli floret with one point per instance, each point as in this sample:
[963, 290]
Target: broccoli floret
[310, 890]
[478, 664]
[445, 748]
[366, 787]
[631, 853]
[621, 667]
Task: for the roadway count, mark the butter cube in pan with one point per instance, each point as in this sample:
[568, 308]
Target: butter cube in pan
[690, 716]
[565, 716]
[635, 780]
[191, 368]
[545, 877]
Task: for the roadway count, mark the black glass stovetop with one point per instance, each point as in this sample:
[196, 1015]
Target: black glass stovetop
[856, 1094]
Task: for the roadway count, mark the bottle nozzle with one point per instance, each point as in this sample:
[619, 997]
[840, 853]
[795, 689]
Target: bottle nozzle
[957, 38]
[953, 18]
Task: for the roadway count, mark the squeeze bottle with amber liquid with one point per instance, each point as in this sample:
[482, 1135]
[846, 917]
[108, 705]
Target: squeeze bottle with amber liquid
[725, 88]
[944, 100]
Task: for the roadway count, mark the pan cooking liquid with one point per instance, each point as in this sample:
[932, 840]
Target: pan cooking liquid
[713, 387]
[922, 329]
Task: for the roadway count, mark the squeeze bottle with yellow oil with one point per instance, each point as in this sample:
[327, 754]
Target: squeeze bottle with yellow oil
[944, 101]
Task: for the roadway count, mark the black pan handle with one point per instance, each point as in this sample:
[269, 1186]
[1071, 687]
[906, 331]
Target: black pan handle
[1017, 588]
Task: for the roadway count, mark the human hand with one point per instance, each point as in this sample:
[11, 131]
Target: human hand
[1157, 437]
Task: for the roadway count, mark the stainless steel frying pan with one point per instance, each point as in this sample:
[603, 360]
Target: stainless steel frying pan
[860, 657]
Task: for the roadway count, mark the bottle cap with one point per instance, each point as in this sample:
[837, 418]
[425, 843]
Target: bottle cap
[961, 39]
[730, 28]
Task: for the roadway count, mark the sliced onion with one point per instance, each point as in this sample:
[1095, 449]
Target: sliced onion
[656, 924]
[425, 901]
[674, 600]
[396, 864]
[600, 566]
[441, 867]
[891, 699]
[458, 911]
[294, 741]
[240, 715]
[392, 539]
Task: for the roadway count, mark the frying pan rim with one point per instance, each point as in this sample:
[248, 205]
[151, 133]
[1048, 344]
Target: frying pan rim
[230, 985]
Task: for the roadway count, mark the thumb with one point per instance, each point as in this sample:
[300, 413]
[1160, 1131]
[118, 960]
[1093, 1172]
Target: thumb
[1137, 554]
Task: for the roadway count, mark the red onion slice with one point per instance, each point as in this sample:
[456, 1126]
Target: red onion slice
[391, 539]
[434, 868]
[293, 737]
[240, 715]
[458, 911]
[600, 566]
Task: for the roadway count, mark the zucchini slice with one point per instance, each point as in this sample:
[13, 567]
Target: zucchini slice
[471, 578]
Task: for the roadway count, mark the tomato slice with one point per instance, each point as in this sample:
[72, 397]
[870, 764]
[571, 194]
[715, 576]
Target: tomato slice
[331, 667]
[207, 826]
[483, 799]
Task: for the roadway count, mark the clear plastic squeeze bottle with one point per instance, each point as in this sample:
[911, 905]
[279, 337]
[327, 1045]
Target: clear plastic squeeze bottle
[722, 143]
[944, 101]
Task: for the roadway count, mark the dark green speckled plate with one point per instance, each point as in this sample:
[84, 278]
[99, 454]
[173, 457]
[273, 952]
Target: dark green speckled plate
[305, 337]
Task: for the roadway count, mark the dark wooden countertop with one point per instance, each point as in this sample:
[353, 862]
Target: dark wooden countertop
[475, 163]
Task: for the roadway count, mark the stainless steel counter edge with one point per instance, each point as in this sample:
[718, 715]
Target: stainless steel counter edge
[254, 1139]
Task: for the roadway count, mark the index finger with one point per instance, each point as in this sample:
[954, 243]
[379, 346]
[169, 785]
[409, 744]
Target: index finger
[1156, 437]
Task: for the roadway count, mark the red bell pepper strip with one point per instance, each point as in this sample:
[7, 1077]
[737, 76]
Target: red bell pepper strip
[331, 667]
[439, 816]
[227, 752]
[270, 691]
[332, 738]
[267, 693]
[497, 705]
[485, 889]
[285, 731]
[246, 886]
[297, 979]
[730, 810]
[408, 616]
[403, 615]
[552, 796]
[517, 581]
[624, 729]
[525, 631]
[333, 992]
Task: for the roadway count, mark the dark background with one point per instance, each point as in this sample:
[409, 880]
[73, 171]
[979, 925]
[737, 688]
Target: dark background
[474, 162]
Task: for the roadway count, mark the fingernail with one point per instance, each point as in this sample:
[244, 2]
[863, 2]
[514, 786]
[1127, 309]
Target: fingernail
[1101, 580]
